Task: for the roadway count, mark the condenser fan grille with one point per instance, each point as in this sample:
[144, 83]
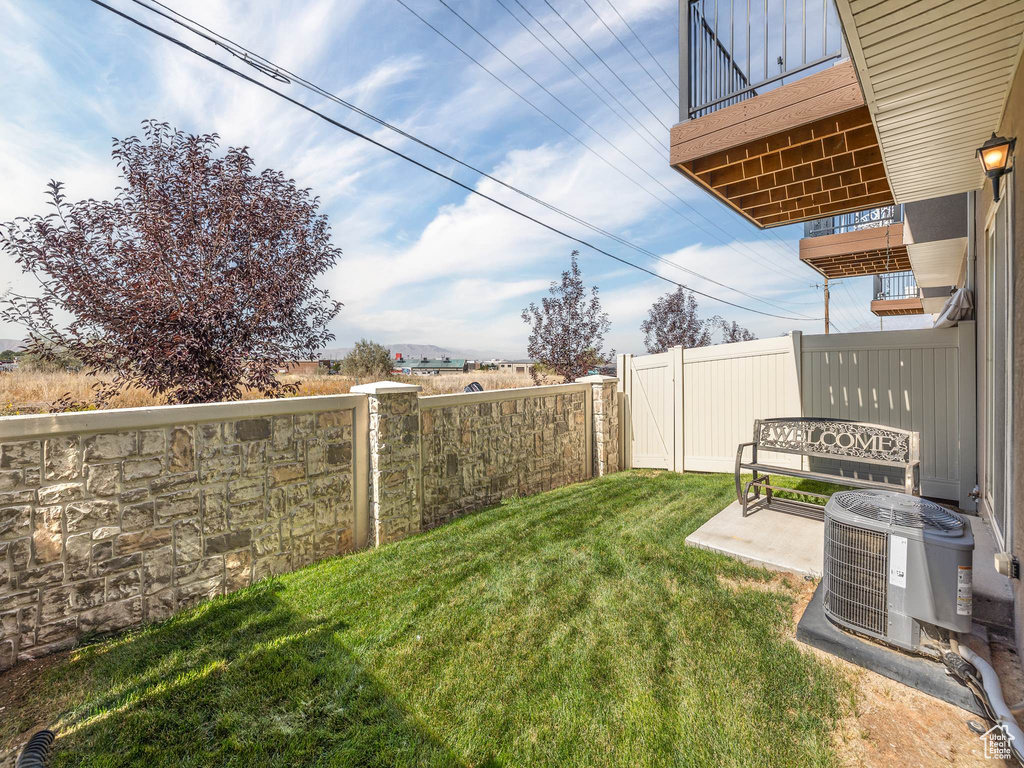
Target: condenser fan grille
[899, 509]
[856, 564]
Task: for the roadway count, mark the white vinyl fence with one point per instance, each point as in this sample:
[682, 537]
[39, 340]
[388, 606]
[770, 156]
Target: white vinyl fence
[725, 388]
[921, 380]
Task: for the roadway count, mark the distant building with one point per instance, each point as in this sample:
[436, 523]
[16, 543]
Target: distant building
[516, 366]
[300, 367]
[429, 366]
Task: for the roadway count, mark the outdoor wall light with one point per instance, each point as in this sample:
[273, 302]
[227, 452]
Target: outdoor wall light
[995, 157]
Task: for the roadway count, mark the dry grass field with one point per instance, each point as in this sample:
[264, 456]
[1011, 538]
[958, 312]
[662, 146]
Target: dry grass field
[34, 392]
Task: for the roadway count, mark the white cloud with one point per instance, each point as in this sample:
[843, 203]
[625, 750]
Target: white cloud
[423, 261]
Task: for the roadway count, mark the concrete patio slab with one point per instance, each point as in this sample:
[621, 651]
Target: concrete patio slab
[767, 538]
[993, 594]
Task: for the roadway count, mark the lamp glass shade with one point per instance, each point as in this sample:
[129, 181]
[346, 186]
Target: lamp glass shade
[995, 154]
[994, 158]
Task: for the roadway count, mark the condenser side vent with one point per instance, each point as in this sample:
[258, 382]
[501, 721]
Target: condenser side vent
[857, 564]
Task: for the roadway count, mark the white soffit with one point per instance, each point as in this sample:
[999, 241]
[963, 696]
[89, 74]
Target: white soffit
[935, 75]
[937, 263]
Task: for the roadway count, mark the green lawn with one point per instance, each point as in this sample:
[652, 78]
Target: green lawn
[571, 628]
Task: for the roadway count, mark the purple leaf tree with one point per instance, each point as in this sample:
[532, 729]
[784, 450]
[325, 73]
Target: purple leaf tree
[197, 280]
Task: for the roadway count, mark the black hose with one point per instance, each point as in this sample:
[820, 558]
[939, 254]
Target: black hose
[36, 753]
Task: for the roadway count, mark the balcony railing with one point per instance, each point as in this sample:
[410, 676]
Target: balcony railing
[731, 50]
[852, 222]
[897, 285]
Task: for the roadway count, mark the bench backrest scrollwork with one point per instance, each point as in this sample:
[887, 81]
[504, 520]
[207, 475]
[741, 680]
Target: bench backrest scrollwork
[838, 439]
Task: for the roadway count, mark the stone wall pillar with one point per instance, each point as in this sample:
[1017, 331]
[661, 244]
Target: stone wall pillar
[605, 423]
[396, 510]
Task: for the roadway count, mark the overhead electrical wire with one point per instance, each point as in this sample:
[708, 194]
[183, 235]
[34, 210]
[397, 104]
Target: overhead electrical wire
[781, 245]
[674, 83]
[659, 149]
[785, 253]
[583, 67]
[280, 74]
[839, 306]
[730, 244]
[413, 161]
[601, 59]
[771, 233]
[858, 309]
[669, 96]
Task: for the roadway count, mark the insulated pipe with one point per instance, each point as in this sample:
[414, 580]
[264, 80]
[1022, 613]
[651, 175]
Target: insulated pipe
[992, 689]
[36, 753]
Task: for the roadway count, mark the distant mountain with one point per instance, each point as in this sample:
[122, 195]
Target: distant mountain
[415, 351]
[6, 344]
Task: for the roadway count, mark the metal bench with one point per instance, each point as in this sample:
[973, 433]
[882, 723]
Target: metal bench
[849, 453]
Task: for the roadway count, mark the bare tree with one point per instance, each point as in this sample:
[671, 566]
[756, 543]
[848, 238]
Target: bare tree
[567, 329]
[673, 321]
[196, 280]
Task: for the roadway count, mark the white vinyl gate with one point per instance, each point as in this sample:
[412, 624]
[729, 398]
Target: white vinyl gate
[689, 409]
[653, 406]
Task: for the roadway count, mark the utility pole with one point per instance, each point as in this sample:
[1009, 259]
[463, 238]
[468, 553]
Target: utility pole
[826, 305]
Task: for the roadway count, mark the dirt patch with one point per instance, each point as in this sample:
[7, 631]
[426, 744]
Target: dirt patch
[778, 585]
[891, 724]
[16, 685]
[895, 725]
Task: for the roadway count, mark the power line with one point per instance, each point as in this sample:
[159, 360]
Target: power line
[601, 59]
[273, 70]
[585, 69]
[655, 147]
[673, 99]
[417, 163]
[781, 248]
[850, 315]
[857, 308]
[532, 79]
[674, 83]
[599, 156]
[770, 233]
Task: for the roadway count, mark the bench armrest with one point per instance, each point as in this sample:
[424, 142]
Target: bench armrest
[739, 463]
[912, 478]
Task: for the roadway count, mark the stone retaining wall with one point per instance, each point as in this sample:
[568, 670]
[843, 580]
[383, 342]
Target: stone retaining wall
[159, 509]
[478, 453]
[111, 519]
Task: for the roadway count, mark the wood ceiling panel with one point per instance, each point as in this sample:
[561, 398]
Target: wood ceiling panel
[896, 307]
[869, 251]
[804, 150]
[861, 264]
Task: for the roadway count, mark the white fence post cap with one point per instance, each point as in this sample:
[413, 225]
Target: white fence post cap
[595, 379]
[385, 388]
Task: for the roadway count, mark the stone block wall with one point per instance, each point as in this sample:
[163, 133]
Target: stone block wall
[112, 519]
[108, 529]
[477, 451]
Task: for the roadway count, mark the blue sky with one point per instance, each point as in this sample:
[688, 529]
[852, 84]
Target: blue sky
[424, 262]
